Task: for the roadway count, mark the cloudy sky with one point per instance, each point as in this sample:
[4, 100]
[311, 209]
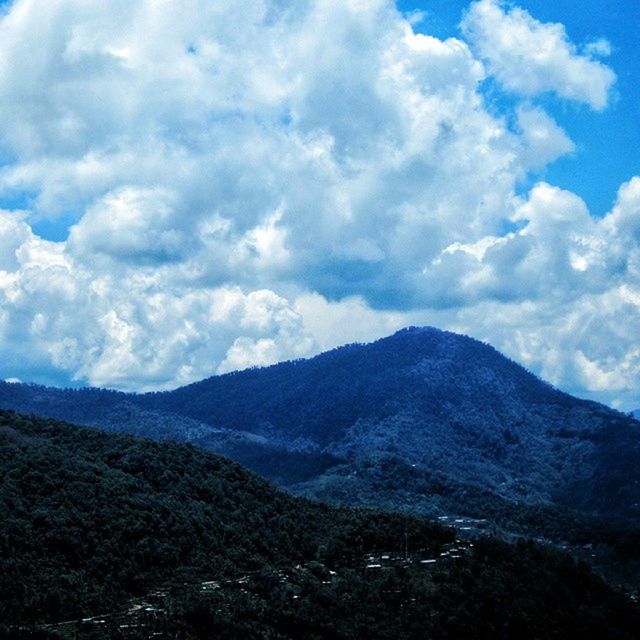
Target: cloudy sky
[189, 187]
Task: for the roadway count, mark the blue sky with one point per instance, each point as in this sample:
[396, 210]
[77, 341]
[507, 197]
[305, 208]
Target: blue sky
[195, 187]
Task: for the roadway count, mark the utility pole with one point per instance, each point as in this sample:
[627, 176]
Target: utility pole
[406, 543]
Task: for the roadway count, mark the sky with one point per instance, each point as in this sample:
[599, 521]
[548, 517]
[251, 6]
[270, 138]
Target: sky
[192, 187]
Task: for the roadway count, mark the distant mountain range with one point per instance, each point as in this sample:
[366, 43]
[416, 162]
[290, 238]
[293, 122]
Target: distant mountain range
[425, 421]
[109, 536]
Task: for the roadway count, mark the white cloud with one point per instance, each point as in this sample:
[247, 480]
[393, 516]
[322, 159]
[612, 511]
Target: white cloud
[134, 329]
[565, 290]
[132, 224]
[257, 181]
[530, 57]
[600, 47]
[544, 141]
[13, 233]
[416, 16]
[349, 320]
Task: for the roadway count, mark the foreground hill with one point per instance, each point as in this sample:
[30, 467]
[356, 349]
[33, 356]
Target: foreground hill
[89, 520]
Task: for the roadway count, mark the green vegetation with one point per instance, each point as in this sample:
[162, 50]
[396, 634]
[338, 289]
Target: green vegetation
[445, 403]
[499, 591]
[89, 520]
[426, 422]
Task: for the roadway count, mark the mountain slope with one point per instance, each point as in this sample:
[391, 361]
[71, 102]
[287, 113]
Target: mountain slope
[89, 520]
[435, 401]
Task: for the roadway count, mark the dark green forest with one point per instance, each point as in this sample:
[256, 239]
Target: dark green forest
[444, 403]
[90, 520]
[424, 421]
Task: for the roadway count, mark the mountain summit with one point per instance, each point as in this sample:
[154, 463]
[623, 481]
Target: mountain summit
[423, 420]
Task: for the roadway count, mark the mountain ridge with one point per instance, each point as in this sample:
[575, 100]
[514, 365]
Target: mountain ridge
[447, 406]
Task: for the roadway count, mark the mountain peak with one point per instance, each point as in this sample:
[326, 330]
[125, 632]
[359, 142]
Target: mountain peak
[428, 398]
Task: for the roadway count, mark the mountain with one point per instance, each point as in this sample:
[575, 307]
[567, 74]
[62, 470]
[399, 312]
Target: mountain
[105, 535]
[425, 421]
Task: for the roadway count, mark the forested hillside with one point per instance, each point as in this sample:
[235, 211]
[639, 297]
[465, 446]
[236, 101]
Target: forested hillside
[89, 520]
[426, 422]
[435, 401]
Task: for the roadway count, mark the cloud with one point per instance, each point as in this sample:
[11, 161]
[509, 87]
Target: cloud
[134, 329]
[257, 181]
[565, 288]
[14, 231]
[530, 57]
[131, 224]
[600, 47]
[543, 140]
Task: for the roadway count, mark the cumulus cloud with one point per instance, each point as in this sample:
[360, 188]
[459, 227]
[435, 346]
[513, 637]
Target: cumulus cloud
[600, 47]
[132, 329]
[132, 224]
[565, 289]
[543, 140]
[530, 57]
[256, 181]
